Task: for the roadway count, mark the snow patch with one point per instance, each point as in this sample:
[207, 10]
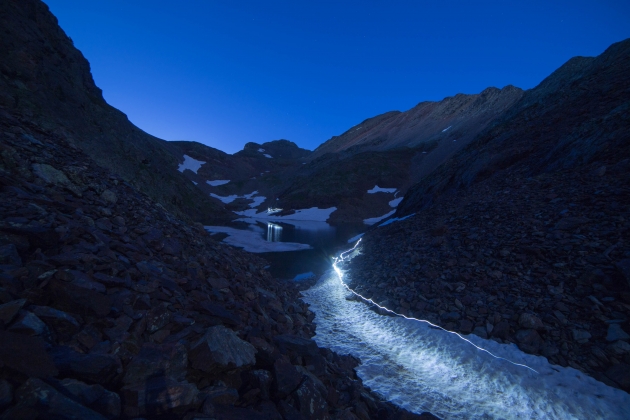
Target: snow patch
[373, 220]
[313, 214]
[226, 199]
[261, 150]
[257, 201]
[217, 182]
[379, 189]
[395, 219]
[253, 242]
[355, 238]
[190, 163]
[446, 129]
[267, 156]
[194, 182]
[395, 202]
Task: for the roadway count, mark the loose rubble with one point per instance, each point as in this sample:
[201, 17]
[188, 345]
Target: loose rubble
[110, 307]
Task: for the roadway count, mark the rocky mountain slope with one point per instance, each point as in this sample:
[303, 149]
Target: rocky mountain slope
[522, 235]
[113, 306]
[46, 79]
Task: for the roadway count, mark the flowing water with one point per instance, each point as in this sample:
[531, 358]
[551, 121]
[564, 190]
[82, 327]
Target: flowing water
[425, 369]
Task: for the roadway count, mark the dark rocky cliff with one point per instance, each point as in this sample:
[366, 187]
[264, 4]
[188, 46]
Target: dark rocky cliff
[46, 79]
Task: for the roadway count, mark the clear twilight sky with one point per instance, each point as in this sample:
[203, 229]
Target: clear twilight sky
[225, 73]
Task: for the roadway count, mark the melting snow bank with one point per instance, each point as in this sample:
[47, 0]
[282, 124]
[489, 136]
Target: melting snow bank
[424, 369]
[190, 163]
[395, 219]
[373, 220]
[217, 182]
[313, 214]
[253, 242]
[379, 189]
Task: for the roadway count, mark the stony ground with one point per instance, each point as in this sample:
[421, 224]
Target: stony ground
[542, 262]
[112, 308]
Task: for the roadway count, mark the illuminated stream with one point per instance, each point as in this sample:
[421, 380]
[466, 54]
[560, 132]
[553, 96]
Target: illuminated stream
[424, 369]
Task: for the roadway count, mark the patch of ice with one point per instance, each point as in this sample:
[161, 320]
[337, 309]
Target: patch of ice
[253, 242]
[379, 189]
[217, 182]
[261, 150]
[395, 219]
[395, 202]
[190, 163]
[312, 214]
[446, 129]
[267, 156]
[355, 238]
[304, 276]
[226, 199]
[257, 201]
[373, 220]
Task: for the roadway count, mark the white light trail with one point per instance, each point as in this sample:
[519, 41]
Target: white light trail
[342, 258]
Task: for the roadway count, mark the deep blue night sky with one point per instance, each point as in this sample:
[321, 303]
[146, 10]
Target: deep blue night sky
[227, 72]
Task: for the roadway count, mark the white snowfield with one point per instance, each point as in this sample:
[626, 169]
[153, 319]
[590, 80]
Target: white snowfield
[267, 156]
[373, 220]
[446, 129]
[252, 241]
[379, 189]
[395, 202]
[251, 196]
[190, 163]
[261, 150]
[217, 182]
[395, 219]
[313, 214]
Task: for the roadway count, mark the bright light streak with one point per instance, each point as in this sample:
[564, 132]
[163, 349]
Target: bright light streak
[274, 232]
[342, 258]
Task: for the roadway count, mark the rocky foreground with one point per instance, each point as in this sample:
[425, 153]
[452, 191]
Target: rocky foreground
[543, 262]
[112, 308]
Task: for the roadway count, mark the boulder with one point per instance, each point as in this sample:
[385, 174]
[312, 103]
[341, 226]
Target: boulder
[220, 349]
[615, 332]
[37, 399]
[94, 397]
[158, 396]
[99, 368]
[10, 309]
[286, 377]
[26, 355]
[310, 402]
[529, 340]
[64, 324]
[154, 360]
[530, 321]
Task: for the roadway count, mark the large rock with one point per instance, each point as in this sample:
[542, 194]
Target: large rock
[286, 376]
[615, 332]
[10, 309]
[26, 354]
[310, 402]
[100, 368]
[64, 324]
[158, 396]
[529, 340]
[154, 360]
[620, 373]
[94, 397]
[220, 349]
[530, 321]
[292, 343]
[37, 399]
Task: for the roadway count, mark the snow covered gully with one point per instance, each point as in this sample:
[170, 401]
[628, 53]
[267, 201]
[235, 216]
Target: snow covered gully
[422, 368]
